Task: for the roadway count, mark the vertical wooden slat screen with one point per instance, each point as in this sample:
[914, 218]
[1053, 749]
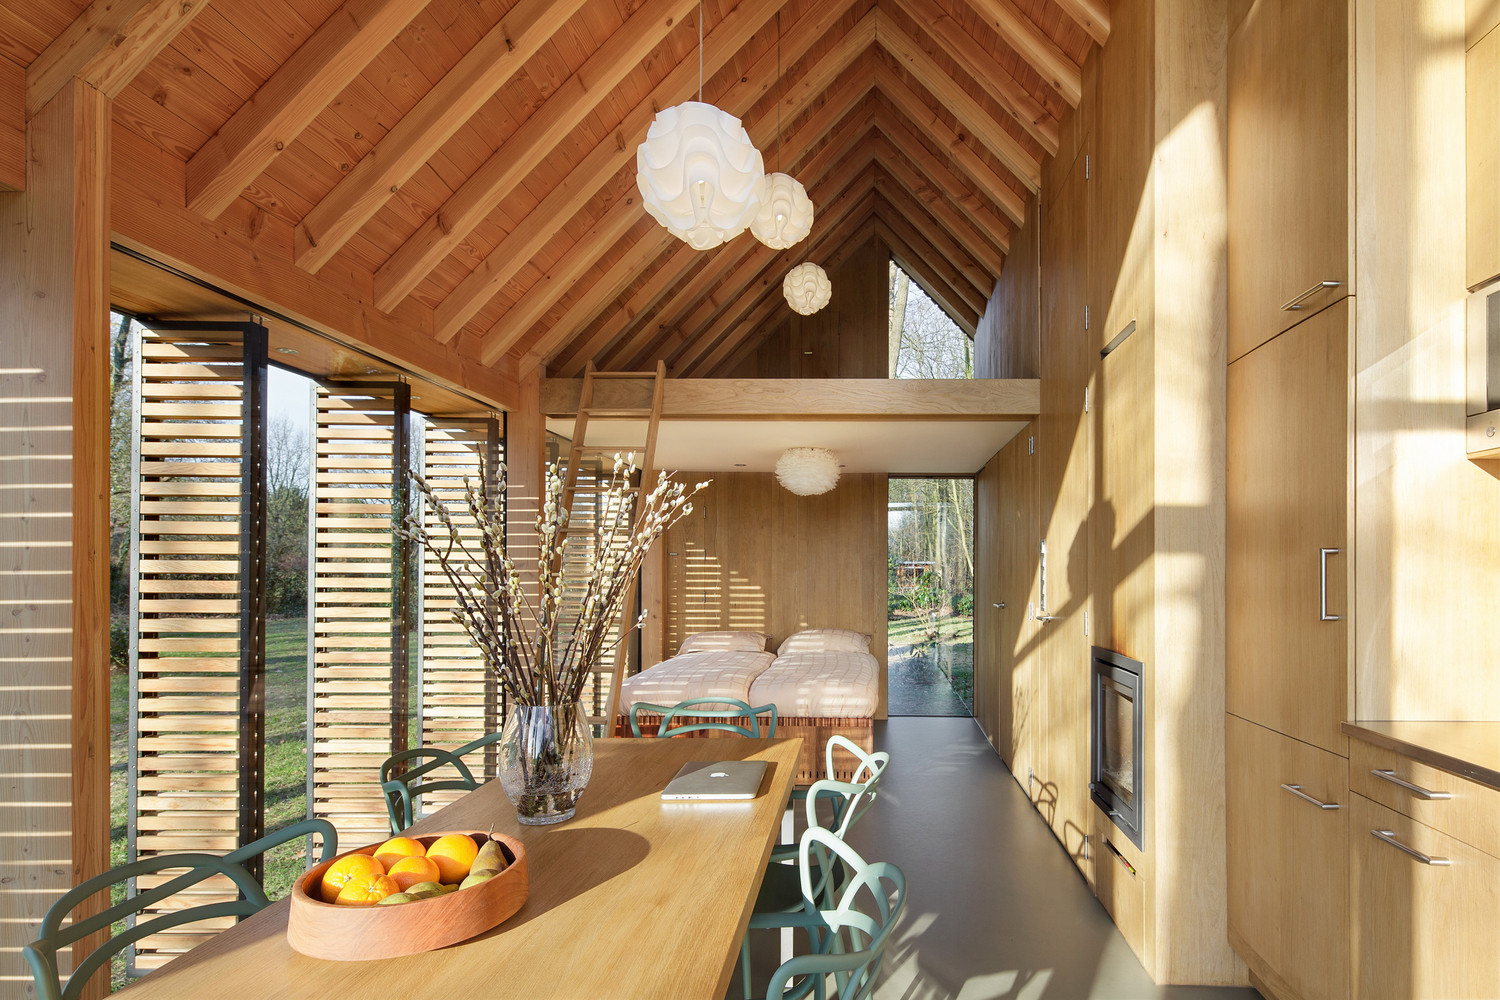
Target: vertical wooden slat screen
[197, 668]
[360, 603]
[457, 698]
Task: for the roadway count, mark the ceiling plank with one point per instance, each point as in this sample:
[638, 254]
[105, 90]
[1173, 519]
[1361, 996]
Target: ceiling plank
[987, 259]
[107, 45]
[12, 126]
[508, 330]
[956, 98]
[1002, 88]
[941, 172]
[968, 281]
[621, 53]
[419, 134]
[288, 102]
[581, 185]
[1090, 15]
[914, 260]
[924, 119]
[1032, 44]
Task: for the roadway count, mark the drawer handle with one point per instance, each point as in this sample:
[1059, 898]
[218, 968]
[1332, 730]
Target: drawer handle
[1295, 303]
[1297, 791]
[1389, 836]
[1417, 790]
[1323, 614]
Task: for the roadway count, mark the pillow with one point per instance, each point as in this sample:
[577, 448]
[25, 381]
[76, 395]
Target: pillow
[826, 640]
[719, 642]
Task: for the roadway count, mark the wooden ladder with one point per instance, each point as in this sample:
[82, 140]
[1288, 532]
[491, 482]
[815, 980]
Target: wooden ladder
[578, 452]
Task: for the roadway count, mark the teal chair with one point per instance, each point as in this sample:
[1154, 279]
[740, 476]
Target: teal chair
[852, 924]
[42, 953]
[849, 803]
[402, 787]
[703, 717]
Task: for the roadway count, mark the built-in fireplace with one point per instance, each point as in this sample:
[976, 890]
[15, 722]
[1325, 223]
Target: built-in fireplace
[1116, 781]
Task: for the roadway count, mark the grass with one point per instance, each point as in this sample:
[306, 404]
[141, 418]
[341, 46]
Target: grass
[285, 760]
[952, 644]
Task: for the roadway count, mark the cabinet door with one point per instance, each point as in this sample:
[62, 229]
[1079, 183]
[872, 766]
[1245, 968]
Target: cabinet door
[1288, 878]
[1288, 151]
[1482, 132]
[1423, 931]
[1287, 496]
[1018, 538]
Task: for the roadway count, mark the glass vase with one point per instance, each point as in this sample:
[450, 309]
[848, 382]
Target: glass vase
[546, 760]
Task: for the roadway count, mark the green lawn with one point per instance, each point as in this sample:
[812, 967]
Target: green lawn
[953, 647]
[286, 757]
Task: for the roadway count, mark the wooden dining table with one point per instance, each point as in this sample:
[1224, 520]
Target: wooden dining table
[632, 897]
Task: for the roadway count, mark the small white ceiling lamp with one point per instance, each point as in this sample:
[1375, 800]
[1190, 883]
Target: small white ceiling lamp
[699, 174]
[807, 288]
[786, 213]
[808, 472]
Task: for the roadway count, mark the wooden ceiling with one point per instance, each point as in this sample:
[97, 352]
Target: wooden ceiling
[470, 164]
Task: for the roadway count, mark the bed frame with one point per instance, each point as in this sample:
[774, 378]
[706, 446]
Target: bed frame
[813, 730]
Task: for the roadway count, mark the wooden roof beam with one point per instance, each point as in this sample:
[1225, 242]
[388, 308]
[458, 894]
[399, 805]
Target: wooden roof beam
[927, 193]
[925, 120]
[288, 102]
[975, 60]
[1032, 44]
[968, 282]
[421, 132]
[942, 173]
[12, 126]
[913, 259]
[622, 52]
[954, 96]
[534, 304]
[606, 160]
[1090, 15]
[106, 46]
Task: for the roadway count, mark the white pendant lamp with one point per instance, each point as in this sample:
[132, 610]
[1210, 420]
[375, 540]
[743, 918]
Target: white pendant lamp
[807, 288]
[808, 472]
[699, 174]
[786, 213]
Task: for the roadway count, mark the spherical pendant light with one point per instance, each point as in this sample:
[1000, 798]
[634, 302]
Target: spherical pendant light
[699, 174]
[807, 288]
[808, 472]
[786, 213]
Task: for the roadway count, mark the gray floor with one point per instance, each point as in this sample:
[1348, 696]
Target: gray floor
[997, 911]
[915, 686]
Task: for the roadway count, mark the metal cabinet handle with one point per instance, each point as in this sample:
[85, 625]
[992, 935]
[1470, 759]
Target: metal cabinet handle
[1297, 791]
[1046, 618]
[1417, 790]
[1295, 303]
[1323, 614]
[1389, 836]
[1001, 605]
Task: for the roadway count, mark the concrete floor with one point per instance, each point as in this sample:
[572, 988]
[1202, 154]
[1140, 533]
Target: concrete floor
[997, 911]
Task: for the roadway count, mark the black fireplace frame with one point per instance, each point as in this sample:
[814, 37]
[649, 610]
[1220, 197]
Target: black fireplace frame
[1107, 664]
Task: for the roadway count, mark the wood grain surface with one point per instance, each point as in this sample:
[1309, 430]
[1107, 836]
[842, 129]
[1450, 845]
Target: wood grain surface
[632, 897]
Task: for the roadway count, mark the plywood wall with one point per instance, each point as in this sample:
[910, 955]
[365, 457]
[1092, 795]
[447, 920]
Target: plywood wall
[848, 338]
[754, 556]
[1008, 339]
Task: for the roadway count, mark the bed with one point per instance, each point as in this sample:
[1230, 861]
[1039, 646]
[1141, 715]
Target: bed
[822, 681]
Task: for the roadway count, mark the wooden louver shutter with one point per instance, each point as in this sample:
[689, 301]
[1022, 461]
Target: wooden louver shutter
[457, 698]
[197, 667]
[360, 603]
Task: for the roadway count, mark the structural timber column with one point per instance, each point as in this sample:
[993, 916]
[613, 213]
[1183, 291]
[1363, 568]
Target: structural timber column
[54, 519]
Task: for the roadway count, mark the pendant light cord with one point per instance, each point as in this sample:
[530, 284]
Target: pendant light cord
[700, 50]
[778, 88]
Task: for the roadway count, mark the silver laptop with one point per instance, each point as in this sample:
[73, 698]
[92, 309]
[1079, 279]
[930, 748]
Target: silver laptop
[716, 779]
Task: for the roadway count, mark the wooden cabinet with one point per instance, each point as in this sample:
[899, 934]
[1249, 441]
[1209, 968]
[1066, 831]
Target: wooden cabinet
[1287, 825]
[1425, 929]
[1482, 158]
[1287, 514]
[1288, 150]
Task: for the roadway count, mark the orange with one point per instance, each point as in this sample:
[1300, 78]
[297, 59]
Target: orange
[409, 871]
[366, 890]
[396, 848]
[345, 868]
[454, 855]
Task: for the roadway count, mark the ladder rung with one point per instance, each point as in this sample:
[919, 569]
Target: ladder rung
[616, 411]
[597, 375]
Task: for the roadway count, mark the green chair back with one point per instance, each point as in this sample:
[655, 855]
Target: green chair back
[402, 787]
[704, 717]
[41, 954]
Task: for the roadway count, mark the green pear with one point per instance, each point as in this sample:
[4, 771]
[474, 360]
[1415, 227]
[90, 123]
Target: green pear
[422, 890]
[397, 897]
[477, 877]
[489, 858]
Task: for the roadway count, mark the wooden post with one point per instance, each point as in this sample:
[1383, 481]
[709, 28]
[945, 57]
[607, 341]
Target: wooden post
[54, 518]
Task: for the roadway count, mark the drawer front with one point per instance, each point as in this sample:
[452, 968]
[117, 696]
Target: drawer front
[1423, 931]
[1288, 860]
[1470, 813]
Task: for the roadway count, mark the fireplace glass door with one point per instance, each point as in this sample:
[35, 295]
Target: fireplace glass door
[1116, 744]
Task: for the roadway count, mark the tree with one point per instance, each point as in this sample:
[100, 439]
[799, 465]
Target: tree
[287, 484]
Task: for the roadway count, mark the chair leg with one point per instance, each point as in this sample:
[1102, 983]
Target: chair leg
[745, 964]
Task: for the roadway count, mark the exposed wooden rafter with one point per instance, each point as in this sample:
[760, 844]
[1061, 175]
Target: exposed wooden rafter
[915, 256]
[943, 175]
[941, 254]
[985, 258]
[1090, 15]
[1032, 44]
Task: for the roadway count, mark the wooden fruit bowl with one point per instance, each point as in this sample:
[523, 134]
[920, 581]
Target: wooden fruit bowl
[357, 933]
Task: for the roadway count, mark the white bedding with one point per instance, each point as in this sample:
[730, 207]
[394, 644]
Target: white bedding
[709, 674]
[837, 683]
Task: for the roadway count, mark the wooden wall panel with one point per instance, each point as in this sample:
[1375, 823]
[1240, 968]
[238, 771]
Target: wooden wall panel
[1008, 339]
[12, 126]
[1427, 519]
[754, 556]
[54, 520]
[845, 339]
